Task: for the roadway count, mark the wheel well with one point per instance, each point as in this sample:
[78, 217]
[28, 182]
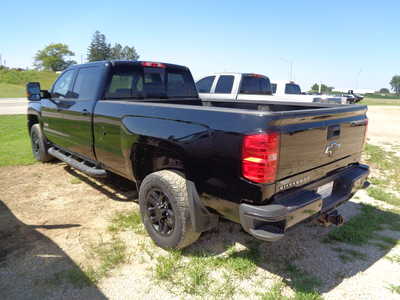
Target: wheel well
[32, 120]
[147, 159]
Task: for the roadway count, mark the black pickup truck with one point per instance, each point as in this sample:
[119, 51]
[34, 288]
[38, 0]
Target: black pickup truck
[265, 165]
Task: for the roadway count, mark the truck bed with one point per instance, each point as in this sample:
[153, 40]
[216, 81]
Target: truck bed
[211, 135]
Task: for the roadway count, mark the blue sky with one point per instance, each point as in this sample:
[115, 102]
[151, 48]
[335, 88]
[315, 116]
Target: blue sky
[342, 43]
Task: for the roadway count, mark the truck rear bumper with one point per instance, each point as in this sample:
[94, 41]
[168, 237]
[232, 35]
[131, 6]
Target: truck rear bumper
[270, 222]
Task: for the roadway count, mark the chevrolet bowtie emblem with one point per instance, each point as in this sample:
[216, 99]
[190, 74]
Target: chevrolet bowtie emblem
[331, 148]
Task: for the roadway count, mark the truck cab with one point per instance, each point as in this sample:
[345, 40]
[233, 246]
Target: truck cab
[234, 86]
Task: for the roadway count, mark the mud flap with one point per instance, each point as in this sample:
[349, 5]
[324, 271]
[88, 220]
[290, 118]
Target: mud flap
[202, 219]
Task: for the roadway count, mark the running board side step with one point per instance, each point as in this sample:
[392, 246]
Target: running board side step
[81, 165]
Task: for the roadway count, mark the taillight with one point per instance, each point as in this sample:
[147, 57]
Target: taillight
[260, 157]
[152, 64]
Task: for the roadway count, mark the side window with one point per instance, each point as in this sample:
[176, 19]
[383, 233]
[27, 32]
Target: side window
[62, 87]
[204, 85]
[224, 84]
[86, 84]
[125, 85]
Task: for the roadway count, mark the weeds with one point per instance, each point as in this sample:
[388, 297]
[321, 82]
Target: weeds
[75, 180]
[168, 265]
[387, 162]
[227, 289]
[395, 288]
[131, 221]
[377, 181]
[192, 274]
[197, 279]
[380, 194]
[302, 282]
[348, 255]
[110, 255]
[276, 293]
[362, 228]
[242, 263]
[77, 277]
[394, 258]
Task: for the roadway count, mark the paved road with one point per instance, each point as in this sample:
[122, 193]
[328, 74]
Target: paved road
[13, 106]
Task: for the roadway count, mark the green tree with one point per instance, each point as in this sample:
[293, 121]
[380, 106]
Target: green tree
[54, 57]
[130, 53]
[326, 89]
[116, 51]
[384, 91]
[127, 53]
[99, 49]
[395, 83]
[315, 87]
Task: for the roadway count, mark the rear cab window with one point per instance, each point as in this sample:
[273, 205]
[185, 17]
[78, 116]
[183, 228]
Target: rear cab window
[224, 84]
[137, 82]
[292, 88]
[255, 84]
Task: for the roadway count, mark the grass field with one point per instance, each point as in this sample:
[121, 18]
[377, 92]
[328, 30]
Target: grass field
[377, 101]
[11, 91]
[12, 83]
[14, 140]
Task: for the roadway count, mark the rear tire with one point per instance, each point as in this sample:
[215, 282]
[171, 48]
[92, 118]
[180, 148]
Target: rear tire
[39, 144]
[164, 207]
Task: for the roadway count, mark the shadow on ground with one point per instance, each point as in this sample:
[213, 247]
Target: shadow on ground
[303, 261]
[113, 186]
[33, 266]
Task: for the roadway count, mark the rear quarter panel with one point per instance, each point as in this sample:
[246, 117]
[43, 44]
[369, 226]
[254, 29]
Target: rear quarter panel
[208, 141]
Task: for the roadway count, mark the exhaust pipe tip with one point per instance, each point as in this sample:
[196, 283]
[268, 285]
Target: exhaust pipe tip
[331, 218]
[337, 220]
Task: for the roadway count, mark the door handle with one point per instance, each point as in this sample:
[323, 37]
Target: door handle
[85, 112]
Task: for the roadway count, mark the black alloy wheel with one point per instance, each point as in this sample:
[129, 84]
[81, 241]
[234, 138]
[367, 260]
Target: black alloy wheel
[160, 212]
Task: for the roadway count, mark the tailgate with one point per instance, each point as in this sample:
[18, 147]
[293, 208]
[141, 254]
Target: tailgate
[313, 139]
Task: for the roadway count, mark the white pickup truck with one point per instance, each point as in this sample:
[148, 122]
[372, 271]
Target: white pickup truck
[249, 86]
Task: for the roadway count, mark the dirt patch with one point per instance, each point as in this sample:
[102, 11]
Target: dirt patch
[49, 218]
[384, 125]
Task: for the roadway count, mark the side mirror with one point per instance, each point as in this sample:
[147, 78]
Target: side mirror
[33, 91]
